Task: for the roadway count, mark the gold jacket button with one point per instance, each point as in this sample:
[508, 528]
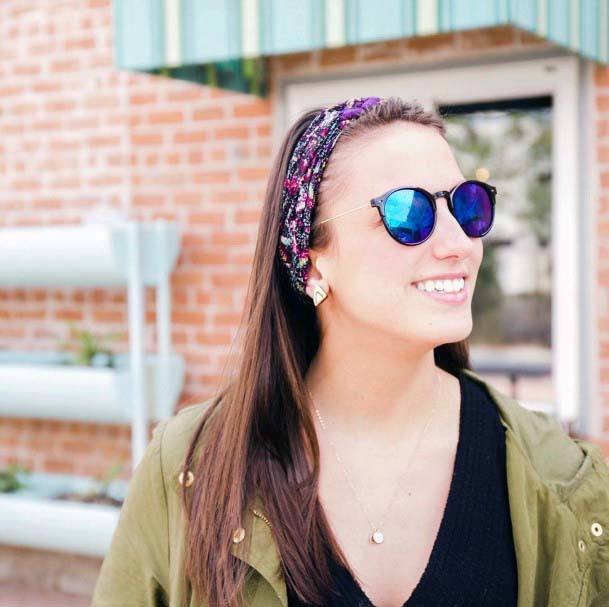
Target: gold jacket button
[596, 529]
[581, 545]
[238, 535]
[190, 477]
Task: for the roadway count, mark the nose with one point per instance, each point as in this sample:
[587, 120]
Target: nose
[448, 238]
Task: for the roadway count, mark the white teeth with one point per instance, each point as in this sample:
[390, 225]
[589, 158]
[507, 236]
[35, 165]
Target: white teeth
[442, 286]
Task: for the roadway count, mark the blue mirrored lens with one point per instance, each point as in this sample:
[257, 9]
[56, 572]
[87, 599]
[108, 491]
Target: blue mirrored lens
[409, 215]
[473, 209]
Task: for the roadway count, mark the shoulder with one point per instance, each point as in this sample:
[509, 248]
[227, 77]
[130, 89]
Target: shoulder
[173, 436]
[560, 460]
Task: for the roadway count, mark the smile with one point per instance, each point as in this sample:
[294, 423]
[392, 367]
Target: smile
[446, 291]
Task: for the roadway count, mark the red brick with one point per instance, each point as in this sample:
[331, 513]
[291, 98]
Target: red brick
[229, 238]
[247, 215]
[109, 316]
[208, 257]
[253, 109]
[169, 117]
[188, 318]
[65, 65]
[230, 279]
[193, 136]
[195, 157]
[228, 319]
[601, 75]
[264, 130]
[27, 70]
[603, 277]
[212, 177]
[253, 173]
[602, 103]
[183, 278]
[104, 141]
[146, 138]
[211, 339]
[79, 43]
[187, 198]
[231, 132]
[64, 105]
[210, 113]
[181, 92]
[215, 218]
[143, 98]
[11, 90]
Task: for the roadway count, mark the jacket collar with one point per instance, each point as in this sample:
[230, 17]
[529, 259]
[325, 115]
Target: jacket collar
[262, 553]
[532, 440]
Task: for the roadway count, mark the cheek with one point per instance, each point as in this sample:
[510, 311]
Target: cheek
[376, 268]
[477, 254]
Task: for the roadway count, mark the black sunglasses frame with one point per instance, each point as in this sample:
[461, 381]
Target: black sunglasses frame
[379, 203]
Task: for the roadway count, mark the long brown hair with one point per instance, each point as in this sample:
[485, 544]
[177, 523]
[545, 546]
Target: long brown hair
[262, 438]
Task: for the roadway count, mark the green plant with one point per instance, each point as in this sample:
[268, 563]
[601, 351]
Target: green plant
[102, 482]
[9, 481]
[86, 345]
[99, 492]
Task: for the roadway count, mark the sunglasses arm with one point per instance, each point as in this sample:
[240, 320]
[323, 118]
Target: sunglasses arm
[345, 212]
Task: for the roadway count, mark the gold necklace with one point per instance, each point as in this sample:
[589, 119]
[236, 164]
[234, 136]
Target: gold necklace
[377, 536]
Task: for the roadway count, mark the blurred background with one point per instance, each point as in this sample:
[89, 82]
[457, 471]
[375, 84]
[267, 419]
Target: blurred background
[136, 138]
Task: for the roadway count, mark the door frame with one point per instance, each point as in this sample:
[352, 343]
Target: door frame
[561, 76]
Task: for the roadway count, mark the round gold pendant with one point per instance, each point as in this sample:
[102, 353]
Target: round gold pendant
[377, 537]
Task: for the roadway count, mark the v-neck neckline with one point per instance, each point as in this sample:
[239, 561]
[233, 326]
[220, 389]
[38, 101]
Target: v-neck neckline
[364, 600]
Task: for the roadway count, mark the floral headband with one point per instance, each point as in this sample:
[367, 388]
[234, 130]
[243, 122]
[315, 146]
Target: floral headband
[303, 176]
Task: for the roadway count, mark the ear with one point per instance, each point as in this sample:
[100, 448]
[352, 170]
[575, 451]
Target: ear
[316, 275]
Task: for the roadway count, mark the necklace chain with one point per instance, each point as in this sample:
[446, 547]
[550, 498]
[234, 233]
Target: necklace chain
[377, 536]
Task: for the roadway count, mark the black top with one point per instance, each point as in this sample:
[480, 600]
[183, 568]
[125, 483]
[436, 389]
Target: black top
[472, 561]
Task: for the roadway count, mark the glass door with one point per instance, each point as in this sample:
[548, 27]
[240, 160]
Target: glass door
[509, 144]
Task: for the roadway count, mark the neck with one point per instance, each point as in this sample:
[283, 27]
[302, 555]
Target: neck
[373, 388]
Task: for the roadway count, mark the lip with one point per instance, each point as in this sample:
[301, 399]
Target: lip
[447, 276]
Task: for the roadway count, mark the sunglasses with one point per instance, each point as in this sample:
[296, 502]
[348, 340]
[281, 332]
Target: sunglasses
[409, 213]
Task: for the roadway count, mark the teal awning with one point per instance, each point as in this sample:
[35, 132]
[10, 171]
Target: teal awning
[225, 42]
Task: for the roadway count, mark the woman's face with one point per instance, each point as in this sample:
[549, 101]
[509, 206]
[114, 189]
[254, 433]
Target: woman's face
[371, 276]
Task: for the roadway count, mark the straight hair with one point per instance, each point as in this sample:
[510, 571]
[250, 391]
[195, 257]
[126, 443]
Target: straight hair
[258, 435]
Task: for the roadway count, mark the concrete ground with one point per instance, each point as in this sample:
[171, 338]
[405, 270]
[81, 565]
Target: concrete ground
[21, 596]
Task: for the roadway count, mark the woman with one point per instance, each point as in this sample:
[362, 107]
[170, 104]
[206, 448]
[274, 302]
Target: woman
[352, 457]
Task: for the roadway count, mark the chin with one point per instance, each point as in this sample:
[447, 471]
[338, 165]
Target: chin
[445, 331]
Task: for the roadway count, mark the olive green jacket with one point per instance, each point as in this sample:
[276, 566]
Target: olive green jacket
[558, 490]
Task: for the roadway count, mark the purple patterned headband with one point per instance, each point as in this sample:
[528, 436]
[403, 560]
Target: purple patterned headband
[304, 174]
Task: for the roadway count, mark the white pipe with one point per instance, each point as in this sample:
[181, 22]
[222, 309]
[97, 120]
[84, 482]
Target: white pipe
[139, 424]
[57, 524]
[163, 316]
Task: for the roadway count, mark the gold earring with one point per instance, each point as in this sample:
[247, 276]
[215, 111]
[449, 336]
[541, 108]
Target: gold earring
[318, 295]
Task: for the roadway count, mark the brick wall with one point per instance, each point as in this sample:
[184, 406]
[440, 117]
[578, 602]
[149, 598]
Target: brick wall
[601, 79]
[79, 138]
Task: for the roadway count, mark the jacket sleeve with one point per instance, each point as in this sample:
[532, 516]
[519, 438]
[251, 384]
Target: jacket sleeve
[134, 570]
